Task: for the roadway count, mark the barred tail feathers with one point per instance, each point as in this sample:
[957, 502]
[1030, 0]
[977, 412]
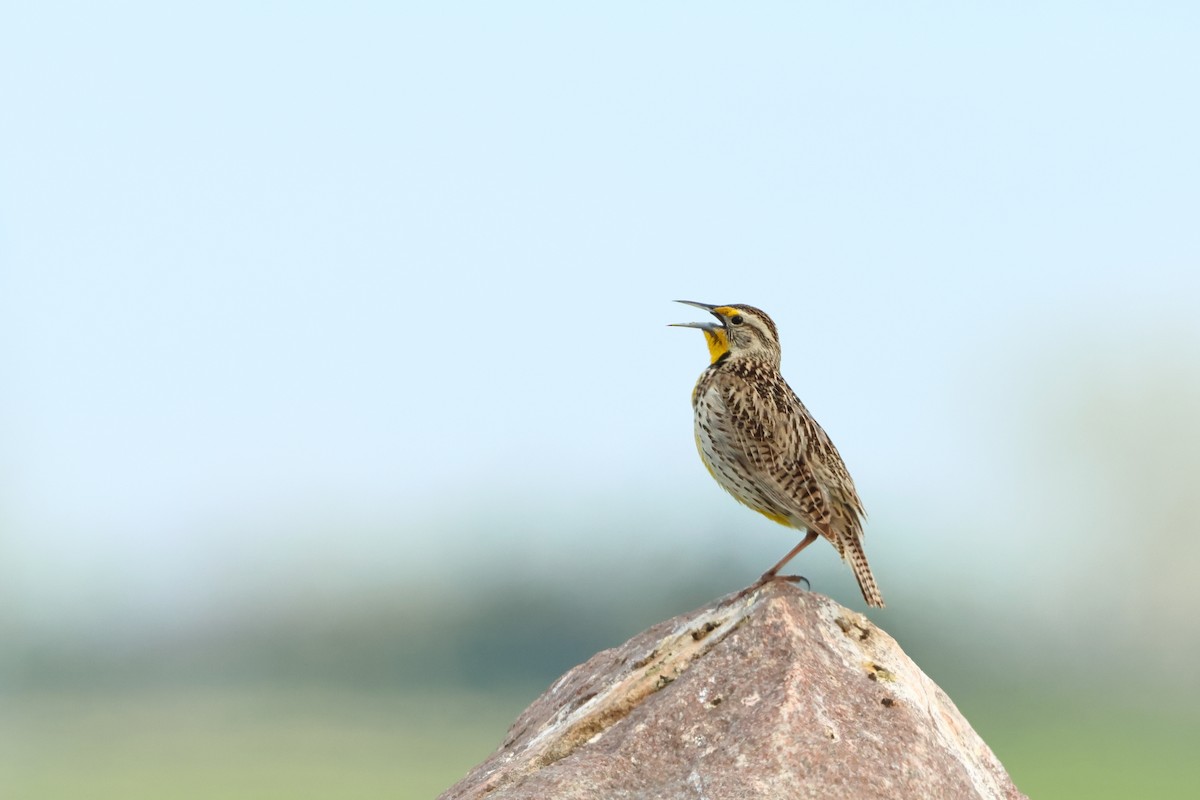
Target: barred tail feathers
[852, 550]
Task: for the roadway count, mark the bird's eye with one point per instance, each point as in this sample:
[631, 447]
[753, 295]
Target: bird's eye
[736, 319]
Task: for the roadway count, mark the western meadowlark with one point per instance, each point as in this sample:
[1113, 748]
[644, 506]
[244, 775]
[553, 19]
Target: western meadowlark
[761, 444]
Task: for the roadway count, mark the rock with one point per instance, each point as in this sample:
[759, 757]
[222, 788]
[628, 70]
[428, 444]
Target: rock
[780, 694]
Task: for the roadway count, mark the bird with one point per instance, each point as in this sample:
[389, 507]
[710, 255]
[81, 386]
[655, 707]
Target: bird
[763, 447]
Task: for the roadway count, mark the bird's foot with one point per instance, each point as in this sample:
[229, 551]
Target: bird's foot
[766, 578]
[789, 579]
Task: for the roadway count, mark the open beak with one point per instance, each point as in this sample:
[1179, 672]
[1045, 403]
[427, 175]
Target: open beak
[704, 326]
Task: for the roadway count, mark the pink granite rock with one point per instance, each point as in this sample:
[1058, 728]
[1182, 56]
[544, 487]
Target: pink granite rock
[781, 694]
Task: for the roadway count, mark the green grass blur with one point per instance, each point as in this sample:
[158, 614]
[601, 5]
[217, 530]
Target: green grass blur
[1067, 746]
[259, 743]
[401, 702]
[267, 743]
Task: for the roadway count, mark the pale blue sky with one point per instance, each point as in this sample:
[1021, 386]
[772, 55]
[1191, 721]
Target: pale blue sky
[285, 288]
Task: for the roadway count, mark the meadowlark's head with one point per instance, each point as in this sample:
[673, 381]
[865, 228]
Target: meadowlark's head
[738, 332]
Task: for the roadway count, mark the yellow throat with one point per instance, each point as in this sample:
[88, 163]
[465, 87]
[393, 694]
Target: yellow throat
[718, 343]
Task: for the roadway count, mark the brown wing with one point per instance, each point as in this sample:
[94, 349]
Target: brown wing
[830, 472]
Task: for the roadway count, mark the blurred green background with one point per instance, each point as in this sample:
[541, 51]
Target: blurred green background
[339, 414]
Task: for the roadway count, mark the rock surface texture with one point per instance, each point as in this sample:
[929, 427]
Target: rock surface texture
[780, 694]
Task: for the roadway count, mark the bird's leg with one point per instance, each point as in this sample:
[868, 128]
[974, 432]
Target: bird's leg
[773, 573]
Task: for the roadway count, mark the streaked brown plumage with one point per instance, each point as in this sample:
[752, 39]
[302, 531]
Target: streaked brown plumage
[763, 447]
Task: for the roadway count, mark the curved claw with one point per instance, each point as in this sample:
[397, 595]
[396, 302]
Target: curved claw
[791, 579]
[768, 578]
